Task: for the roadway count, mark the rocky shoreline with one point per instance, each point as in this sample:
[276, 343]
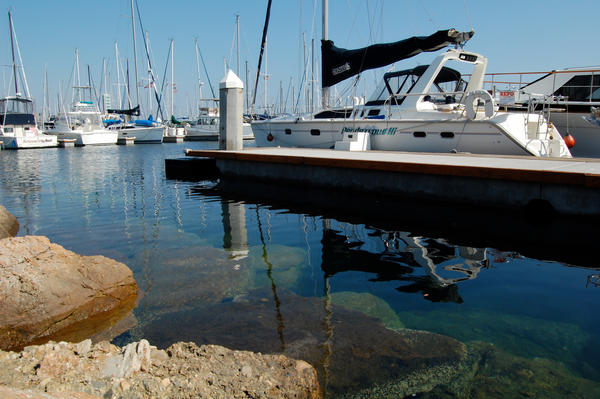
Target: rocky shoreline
[50, 293]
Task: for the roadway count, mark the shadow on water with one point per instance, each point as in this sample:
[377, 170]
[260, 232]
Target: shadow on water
[539, 234]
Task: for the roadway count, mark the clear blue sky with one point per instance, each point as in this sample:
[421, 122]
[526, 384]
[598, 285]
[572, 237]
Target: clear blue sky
[525, 35]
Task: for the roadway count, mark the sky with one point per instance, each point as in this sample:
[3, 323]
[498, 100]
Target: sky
[515, 36]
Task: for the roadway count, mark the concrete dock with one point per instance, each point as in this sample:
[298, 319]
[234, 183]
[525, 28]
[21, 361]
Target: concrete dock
[567, 186]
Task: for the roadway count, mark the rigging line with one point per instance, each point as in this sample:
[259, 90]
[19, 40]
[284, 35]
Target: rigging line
[206, 72]
[162, 87]
[467, 14]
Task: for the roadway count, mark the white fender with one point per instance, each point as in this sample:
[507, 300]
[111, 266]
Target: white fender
[488, 103]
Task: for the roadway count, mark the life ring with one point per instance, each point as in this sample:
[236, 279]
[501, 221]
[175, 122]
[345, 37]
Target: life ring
[488, 103]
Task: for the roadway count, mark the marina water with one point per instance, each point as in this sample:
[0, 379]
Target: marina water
[267, 269]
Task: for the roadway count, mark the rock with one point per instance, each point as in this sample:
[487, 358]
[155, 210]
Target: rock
[489, 372]
[48, 292]
[9, 226]
[190, 371]
[369, 304]
[12, 393]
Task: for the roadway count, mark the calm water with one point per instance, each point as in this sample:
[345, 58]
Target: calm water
[258, 268]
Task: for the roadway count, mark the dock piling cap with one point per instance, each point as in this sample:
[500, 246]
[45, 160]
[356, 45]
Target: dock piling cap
[231, 81]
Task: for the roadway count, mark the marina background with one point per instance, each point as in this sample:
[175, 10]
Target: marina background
[514, 35]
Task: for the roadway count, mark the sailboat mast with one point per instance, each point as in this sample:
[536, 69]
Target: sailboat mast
[172, 77]
[325, 90]
[137, 89]
[12, 47]
[237, 30]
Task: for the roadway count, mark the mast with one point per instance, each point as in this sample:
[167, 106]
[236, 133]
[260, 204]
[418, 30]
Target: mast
[172, 78]
[12, 47]
[325, 90]
[237, 32]
[262, 49]
[137, 89]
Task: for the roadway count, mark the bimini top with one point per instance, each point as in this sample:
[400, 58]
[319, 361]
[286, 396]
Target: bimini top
[393, 83]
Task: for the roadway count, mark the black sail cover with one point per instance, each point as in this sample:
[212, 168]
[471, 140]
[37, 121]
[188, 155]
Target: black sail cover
[133, 111]
[339, 64]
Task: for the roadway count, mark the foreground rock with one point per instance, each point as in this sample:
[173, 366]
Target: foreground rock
[9, 226]
[139, 370]
[48, 292]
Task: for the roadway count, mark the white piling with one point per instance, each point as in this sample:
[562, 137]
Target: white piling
[231, 104]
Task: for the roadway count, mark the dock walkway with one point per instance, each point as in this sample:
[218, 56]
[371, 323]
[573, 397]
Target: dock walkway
[570, 186]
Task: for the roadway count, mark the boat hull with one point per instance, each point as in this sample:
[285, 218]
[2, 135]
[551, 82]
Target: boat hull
[22, 142]
[143, 135]
[486, 136]
[99, 137]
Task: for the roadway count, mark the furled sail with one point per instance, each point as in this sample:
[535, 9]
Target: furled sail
[133, 111]
[339, 64]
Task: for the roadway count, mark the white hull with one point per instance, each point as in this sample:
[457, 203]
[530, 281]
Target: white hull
[94, 137]
[497, 135]
[202, 132]
[33, 141]
[143, 135]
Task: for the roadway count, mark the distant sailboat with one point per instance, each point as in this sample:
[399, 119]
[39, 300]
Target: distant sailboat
[144, 131]
[18, 126]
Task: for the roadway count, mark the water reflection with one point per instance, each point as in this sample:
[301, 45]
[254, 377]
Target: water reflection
[369, 289]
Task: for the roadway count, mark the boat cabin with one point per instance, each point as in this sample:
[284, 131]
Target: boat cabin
[16, 111]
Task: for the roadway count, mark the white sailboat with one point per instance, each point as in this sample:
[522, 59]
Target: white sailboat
[424, 109]
[18, 125]
[144, 131]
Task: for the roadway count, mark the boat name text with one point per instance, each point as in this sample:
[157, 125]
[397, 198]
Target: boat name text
[390, 131]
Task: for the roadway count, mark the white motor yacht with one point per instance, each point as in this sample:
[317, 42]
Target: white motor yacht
[83, 123]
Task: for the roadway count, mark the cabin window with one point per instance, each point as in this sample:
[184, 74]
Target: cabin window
[288, 131]
[447, 135]
[373, 112]
[362, 114]
[315, 132]
[419, 134]
[8, 130]
[581, 88]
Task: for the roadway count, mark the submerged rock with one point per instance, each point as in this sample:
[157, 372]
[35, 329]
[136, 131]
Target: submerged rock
[369, 304]
[9, 226]
[489, 372]
[139, 370]
[48, 292]
[349, 349]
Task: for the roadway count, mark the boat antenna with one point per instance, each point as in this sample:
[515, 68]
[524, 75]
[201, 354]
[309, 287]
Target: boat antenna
[12, 47]
[262, 50]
